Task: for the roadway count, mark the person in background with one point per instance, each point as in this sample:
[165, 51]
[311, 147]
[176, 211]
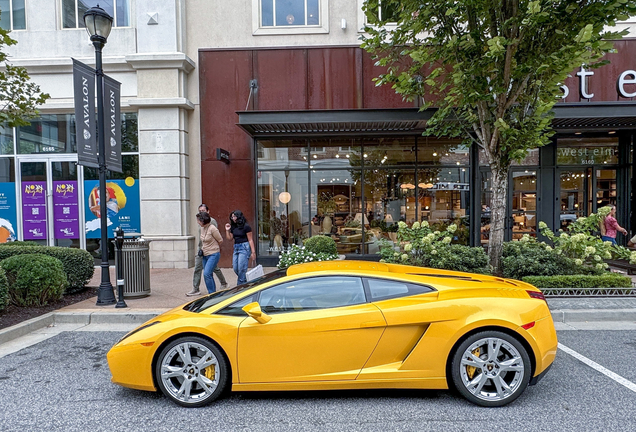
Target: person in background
[609, 226]
[198, 261]
[211, 240]
[244, 251]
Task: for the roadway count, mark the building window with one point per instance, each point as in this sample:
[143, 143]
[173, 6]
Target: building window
[13, 15]
[73, 11]
[383, 13]
[283, 13]
[290, 16]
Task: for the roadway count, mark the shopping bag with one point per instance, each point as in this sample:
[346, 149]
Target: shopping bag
[254, 273]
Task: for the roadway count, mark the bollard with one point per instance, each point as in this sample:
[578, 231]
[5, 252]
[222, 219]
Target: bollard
[119, 242]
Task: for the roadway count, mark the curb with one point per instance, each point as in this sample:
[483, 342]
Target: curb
[86, 318]
[582, 315]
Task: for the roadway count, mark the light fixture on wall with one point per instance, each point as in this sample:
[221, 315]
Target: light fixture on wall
[284, 197]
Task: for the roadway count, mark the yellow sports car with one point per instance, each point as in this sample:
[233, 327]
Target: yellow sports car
[346, 325]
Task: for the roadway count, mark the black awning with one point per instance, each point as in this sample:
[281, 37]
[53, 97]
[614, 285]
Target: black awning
[268, 124]
[261, 124]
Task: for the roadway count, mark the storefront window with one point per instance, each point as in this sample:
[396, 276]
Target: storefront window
[443, 199]
[573, 188]
[381, 152]
[339, 211]
[532, 158]
[334, 153]
[282, 154]
[524, 203]
[6, 140]
[8, 215]
[283, 211]
[442, 151]
[51, 133]
[605, 188]
[587, 151]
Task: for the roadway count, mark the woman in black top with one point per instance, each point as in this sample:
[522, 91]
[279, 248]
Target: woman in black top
[244, 251]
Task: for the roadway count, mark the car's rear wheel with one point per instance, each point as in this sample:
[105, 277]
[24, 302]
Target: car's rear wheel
[192, 371]
[491, 368]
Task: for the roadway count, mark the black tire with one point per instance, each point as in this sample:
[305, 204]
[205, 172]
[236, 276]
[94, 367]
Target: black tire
[192, 371]
[491, 379]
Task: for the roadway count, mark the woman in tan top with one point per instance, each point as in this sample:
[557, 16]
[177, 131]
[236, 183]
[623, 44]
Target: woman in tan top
[211, 247]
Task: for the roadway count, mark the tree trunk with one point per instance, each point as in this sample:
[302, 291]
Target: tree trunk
[497, 217]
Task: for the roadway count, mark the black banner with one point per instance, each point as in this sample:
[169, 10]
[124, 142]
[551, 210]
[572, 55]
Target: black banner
[85, 118]
[112, 123]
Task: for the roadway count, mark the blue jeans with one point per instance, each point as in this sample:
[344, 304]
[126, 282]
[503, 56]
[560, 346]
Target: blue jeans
[240, 261]
[609, 239]
[209, 264]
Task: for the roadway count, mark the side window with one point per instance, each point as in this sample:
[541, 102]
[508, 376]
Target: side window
[236, 308]
[313, 293]
[381, 289]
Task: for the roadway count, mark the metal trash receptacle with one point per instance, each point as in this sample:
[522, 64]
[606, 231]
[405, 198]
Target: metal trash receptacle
[136, 266]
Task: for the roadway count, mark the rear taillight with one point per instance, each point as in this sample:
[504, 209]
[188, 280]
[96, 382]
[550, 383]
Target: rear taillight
[536, 295]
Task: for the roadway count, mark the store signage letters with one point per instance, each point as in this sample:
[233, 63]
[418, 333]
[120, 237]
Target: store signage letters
[627, 77]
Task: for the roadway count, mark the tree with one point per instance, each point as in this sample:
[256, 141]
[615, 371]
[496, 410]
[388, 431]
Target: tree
[492, 68]
[19, 97]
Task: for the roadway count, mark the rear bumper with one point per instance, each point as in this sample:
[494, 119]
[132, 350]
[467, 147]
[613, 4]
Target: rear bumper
[538, 378]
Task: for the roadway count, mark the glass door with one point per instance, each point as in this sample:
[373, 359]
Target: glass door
[574, 195]
[523, 208]
[50, 210]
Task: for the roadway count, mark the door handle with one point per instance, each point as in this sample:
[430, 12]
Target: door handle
[370, 324]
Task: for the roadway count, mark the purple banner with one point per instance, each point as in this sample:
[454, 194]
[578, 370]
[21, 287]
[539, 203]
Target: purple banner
[34, 210]
[65, 210]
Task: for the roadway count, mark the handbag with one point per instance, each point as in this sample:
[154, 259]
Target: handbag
[254, 273]
[200, 253]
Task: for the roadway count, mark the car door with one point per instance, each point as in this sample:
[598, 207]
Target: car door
[321, 329]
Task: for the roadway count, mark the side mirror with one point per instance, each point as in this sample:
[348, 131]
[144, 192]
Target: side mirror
[254, 310]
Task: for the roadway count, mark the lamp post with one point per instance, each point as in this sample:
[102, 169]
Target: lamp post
[98, 24]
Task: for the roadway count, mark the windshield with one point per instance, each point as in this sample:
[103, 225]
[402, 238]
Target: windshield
[217, 297]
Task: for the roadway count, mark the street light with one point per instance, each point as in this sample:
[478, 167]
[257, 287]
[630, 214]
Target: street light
[98, 24]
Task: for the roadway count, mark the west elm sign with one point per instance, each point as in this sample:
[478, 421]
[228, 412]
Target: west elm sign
[625, 82]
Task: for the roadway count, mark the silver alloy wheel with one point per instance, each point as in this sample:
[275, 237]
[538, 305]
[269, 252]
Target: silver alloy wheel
[492, 369]
[189, 372]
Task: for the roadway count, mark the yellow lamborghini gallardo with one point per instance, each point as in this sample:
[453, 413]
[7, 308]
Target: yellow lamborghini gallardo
[346, 325]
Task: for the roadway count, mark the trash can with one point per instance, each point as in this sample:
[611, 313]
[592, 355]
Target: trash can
[136, 265]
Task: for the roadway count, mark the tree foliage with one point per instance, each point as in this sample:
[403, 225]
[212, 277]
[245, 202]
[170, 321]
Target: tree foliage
[492, 69]
[19, 97]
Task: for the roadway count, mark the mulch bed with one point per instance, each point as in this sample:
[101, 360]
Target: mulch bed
[13, 315]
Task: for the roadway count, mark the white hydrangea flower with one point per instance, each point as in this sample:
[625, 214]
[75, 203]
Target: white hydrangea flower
[451, 228]
[608, 255]
[548, 247]
[543, 225]
[600, 266]
[424, 224]
[446, 240]
[597, 258]
[416, 225]
[396, 254]
[402, 224]
[405, 257]
[434, 252]
[590, 249]
[578, 261]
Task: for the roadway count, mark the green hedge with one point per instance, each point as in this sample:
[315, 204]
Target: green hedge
[34, 279]
[609, 280]
[321, 244]
[78, 264]
[21, 243]
[4, 290]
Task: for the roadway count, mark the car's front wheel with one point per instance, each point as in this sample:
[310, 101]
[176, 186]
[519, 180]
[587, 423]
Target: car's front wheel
[192, 371]
[491, 368]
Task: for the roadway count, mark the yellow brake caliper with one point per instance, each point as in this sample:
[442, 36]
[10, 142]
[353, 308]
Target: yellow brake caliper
[472, 369]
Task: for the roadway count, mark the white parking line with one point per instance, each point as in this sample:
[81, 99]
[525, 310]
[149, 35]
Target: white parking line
[619, 379]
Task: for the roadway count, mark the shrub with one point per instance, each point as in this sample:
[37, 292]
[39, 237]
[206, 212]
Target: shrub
[21, 243]
[608, 280]
[300, 254]
[531, 258]
[34, 279]
[321, 244]
[421, 246]
[4, 290]
[78, 264]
